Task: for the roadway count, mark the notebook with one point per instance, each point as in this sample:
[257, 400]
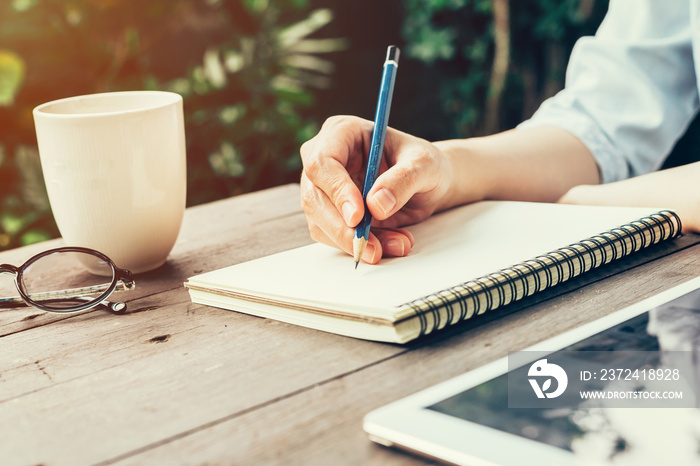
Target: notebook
[465, 262]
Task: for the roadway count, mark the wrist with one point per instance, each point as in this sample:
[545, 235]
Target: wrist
[467, 180]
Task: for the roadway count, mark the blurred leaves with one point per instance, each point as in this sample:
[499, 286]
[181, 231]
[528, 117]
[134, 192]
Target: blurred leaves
[24, 212]
[33, 189]
[459, 38]
[227, 161]
[248, 92]
[250, 71]
[247, 70]
[11, 76]
[23, 5]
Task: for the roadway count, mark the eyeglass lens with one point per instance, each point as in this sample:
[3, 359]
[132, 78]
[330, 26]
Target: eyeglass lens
[44, 278]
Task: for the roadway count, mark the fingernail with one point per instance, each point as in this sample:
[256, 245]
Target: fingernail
[385, 200]
[395, 247]
[348, 210]
[368, 254]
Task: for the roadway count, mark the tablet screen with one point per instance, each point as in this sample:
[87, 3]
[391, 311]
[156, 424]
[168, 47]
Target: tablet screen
[591, 428]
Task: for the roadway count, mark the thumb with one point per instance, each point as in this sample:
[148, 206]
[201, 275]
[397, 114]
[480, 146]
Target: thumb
[393, 189]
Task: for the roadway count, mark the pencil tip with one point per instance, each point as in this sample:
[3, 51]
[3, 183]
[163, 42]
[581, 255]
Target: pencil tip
[356, 264]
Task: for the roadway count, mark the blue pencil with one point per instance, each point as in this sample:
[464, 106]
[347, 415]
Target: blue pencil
[381, 119]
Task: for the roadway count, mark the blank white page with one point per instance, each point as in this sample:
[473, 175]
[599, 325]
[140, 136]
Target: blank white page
[450, 248]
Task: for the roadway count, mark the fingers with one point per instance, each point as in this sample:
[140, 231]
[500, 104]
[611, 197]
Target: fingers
[373, 251]
[395, 242]
[392, 190]
[417, 171]
[330, 229]
[332, 157]
[387, 242]
[334, 164]
[326, 225]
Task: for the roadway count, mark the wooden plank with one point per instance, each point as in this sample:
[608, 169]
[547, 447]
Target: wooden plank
[212, 236]
[102, 386]
[322, 424]
[24, 349]
[173, 382]
[93, 392]
[165, 367]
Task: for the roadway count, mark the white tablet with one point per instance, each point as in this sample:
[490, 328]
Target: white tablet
[647, 414]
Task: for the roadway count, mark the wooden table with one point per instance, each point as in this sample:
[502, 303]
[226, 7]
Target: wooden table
[172, 382]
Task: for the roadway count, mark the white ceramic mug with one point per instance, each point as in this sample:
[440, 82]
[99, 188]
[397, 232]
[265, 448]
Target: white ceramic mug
[115, 171]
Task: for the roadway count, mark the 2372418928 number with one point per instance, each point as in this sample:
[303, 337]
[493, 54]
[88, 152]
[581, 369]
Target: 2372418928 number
[639, 374]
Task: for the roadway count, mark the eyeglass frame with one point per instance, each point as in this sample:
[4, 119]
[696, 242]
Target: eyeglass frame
[118, 275]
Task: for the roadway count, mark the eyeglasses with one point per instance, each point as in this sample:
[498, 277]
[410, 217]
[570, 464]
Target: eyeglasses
[42, 285]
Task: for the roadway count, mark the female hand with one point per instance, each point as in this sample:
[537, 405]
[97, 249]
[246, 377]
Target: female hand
[414, 179]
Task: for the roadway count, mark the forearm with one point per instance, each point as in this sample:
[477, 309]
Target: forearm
[675, 188]
[537, 164]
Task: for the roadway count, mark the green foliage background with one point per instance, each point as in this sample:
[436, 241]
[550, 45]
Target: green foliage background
[459, 38]
[259, 76]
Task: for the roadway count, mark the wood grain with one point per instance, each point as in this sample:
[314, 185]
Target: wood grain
[323, 424]
[212, 236]
[172, 382]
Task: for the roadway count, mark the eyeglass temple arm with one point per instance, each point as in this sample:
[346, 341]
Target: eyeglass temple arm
[117, 307]
[78, 293]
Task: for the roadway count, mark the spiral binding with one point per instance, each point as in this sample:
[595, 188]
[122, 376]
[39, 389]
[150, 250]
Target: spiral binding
[474, 297]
